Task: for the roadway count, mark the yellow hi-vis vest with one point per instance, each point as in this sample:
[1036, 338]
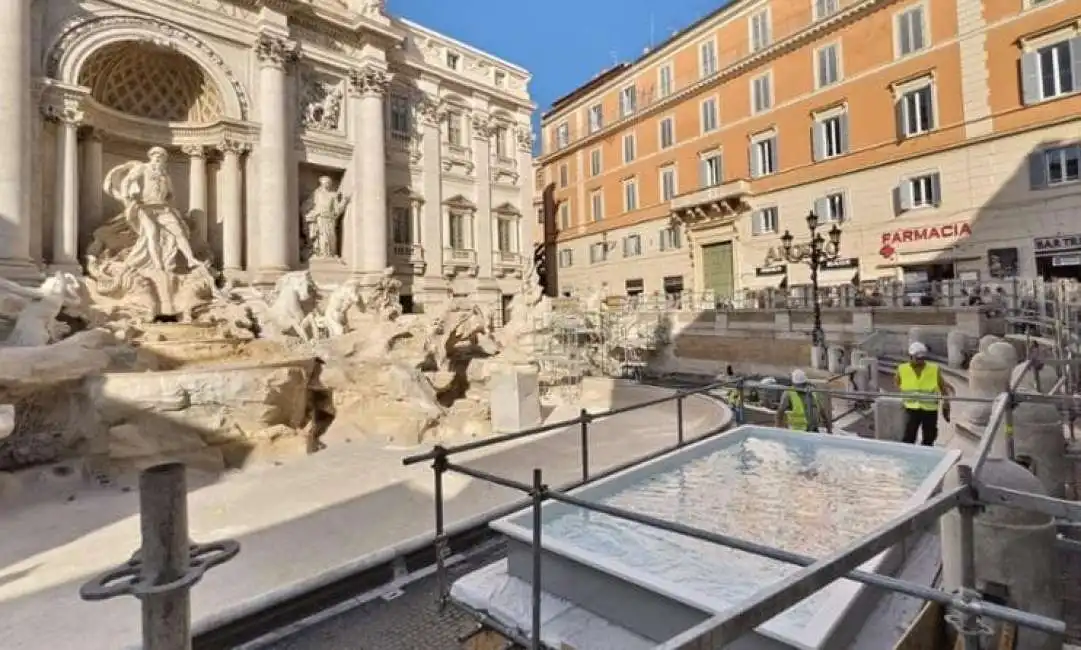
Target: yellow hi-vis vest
[796, 416]
[926, 382]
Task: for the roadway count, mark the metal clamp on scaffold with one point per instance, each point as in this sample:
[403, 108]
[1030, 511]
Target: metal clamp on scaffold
[128, 579]
[967, 624]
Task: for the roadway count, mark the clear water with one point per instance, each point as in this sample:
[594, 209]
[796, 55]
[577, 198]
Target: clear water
[788, 493]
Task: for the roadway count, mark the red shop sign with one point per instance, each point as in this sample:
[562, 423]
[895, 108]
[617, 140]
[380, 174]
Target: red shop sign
[890, 240]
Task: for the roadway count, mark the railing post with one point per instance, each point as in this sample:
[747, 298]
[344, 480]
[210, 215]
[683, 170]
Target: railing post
[439, 467]
[968, 624]
[167, 565]
[679, 420]
[584, 417]
[538, 501]
[1010, 403]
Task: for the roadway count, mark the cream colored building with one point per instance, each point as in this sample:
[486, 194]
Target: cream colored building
[942, 136]
[255, 100]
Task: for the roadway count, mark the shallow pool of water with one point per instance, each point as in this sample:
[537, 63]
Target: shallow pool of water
[788, 493]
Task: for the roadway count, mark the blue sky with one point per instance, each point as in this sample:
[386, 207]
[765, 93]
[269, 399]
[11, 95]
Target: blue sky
[564, 43]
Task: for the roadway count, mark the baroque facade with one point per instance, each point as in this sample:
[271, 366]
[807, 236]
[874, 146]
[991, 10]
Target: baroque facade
[942, 136]
[319, 134]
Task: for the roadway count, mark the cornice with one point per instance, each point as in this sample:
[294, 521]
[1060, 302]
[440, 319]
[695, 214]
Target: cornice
[778, 48]
[424, 70]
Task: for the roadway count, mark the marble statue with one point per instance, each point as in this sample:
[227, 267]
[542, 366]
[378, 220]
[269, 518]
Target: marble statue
[134, 261]
[285, 309]
[36, 319]
[334, 319]
[321, 212]
[385, 299]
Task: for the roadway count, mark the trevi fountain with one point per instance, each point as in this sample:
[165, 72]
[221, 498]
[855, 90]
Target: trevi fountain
[154, 355]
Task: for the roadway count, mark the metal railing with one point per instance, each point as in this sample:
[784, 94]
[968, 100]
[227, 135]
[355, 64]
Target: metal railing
[967, 604]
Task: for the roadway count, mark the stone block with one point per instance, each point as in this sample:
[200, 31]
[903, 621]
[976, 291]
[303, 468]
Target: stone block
[987, 341]
[515, 400]
[955, 348]
[889, 419]
[835, 356]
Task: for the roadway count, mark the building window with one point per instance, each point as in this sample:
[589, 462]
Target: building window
[831, 208]
[401, 225]
[630, 195]
[916, 111]
[764, 221]
[454, 128]
[597, 252]
[1055, 166]
[453, 60]
[632, 245]
[504, 235]
[564, 216]
[634, 287]
[764, 156]
[664, 80]
[566, 258]
[707, 58]
[910, 31]
[628, 101]
[596, 204]
[761, 97]
[760, 32]
[709, 115]
[596, 118]
[668, 132]
[564, 175]
[923, 191]
[826, 8]
[830, 136]
[595, 162]
[500, 135]
[829, 65]
[668, 183]
[458, 234]
[670, 239]
[628, 148]
[500, 79]
[1051, 71]
[563, 135]
[399, 115]
[711, 170]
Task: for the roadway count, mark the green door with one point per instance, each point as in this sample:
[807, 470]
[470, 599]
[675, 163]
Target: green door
[717, 271]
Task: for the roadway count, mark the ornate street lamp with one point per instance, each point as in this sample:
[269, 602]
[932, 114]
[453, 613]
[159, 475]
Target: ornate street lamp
[815, 254]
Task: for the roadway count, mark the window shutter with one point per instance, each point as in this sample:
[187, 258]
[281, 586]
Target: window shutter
[929, 107]
[703, 173]
[897, 201]
[1075, 61]
[756, 169]
[818, 141]
[1037, 171]
[936, 189]
[843, 119]
[776, 156]
[821, 208]
[901, 112]
[905, 195]
[756, 222]
[1030, 76]
[903, 23]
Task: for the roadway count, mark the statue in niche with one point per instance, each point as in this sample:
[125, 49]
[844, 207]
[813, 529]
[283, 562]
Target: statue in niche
[135, 258]
[321, 213]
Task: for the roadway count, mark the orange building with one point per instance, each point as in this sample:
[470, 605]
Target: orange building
[942, 136]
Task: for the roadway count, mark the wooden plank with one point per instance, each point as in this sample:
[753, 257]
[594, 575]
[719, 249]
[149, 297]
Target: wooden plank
[927, 631]
[486, 640]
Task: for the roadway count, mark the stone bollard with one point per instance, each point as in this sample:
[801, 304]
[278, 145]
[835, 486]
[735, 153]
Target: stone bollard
[1038, 435]
[817, 357]
[986, 341]
[988, 375]
[955, 348]
[860, 378]
[1036, 381]
[855, 358]
[1005, 352]
[889, 419]
[835, 359]
[871, 364]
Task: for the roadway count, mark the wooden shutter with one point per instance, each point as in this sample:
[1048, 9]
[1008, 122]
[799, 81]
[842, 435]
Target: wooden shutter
[1030, 77]
[1037, 171]
[1075, 62]
[821, 208]
[905, 195]
[818, 140]
[901, 110]
[936, 189]
[755, 167]
[843, 119]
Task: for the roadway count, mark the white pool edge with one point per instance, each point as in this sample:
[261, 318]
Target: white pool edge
[843, 593]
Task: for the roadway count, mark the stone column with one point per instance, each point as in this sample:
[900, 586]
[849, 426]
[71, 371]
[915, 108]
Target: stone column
[524, 137]
[91, 180]
[429, 115]
[197, 190]
[482, 143]
[415, 208]
[276, 215]
[230, 211]
[16, 124]
[66, 222]
[368, 86]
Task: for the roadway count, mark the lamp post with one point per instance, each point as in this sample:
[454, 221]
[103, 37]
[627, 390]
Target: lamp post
[816, 253]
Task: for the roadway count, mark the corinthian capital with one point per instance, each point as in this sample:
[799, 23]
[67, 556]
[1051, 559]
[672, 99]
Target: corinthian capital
[368, 80]
[525, 138]
[429, 109]
[276, 51]
[65, 110]
[482, 125]
[230, 145]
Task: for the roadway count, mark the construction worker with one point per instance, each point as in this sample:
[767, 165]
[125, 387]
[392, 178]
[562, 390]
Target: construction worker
[920, 376]
[793, 411]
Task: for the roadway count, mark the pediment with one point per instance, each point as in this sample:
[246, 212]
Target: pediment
[406, 193]
[459, 202]
[507, 209]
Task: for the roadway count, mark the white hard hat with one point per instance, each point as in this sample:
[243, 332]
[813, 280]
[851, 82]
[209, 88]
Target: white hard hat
[917, 349]
[799, 377]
